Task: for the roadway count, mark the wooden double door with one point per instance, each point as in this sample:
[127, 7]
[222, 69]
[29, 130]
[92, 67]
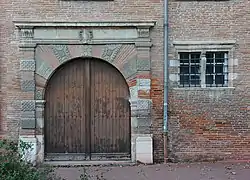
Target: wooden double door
[87, 112]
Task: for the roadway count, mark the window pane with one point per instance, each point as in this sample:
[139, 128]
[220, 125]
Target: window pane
[184, 79]
[219, 79]
[195, 57]
[194, 79]
[219, 68]
[209, 79]
[209, 69]
[195, 69]
[219, 57]
[210, 57]
[184, 69]
[184, 57]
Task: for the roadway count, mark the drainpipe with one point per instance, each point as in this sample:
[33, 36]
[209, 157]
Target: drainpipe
[166, 65]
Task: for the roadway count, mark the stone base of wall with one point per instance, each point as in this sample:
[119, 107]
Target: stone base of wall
[141, 149]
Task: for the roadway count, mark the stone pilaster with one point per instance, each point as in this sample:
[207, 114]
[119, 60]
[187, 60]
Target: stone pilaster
[27, 71]
[141, 103]
[39, 130]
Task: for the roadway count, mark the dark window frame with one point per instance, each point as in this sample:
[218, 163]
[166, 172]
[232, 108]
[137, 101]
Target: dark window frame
[218, 71]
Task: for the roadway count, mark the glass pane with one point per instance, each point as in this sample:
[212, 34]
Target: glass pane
[219, 57]
[219, 68]
[209, 69]
[209, 79]
[195, 69]
[184, 57]
[184, 69]
[210, 57]
[219, 79]
[195, 82]
[184, 79]
[195, 79]
[195, 57]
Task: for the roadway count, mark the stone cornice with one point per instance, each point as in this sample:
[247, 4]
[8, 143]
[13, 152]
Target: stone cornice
[190, 43]
[199, 45]
[33, 24]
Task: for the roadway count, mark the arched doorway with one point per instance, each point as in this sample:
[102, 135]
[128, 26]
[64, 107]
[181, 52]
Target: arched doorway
[87, 112]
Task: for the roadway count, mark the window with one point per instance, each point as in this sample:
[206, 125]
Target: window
[190, 69]
[215, 71]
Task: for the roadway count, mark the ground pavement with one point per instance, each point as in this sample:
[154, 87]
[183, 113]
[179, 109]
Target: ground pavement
[184, 171]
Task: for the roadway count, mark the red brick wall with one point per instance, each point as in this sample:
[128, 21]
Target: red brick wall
[211, 124]
[57, 10]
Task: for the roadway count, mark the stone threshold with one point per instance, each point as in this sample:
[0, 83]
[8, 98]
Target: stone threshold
[88, 163]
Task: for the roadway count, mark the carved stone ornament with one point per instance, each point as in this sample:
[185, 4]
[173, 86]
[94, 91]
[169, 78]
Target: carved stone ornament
[85, 35]
[27, 33]
[143, 33]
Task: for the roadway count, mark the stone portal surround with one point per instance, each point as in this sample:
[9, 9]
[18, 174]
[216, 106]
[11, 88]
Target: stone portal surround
[44, 48]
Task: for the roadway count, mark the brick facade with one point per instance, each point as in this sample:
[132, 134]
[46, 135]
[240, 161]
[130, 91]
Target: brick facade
[204, 123]
[17, 91]
[210, 123]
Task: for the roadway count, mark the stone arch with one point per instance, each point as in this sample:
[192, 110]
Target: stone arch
[81, 58]
[50, 57]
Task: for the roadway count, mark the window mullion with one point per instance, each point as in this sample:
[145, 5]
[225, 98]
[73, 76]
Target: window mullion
[203, 60]
[214, 74]
[189, 68]
[225, 69]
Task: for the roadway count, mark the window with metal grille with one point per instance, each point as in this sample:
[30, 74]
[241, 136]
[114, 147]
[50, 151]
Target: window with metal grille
[215, 74]
[216, 69]
[190, 69]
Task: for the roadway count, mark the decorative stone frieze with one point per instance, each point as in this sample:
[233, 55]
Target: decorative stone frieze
[110, 51]
[26, 33]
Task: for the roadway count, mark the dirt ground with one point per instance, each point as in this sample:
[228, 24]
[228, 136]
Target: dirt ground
[185, 171]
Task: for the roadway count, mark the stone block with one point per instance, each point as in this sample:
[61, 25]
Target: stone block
[29, 154]
[40, 148]
[86, 50]
[114, 33]
[110, 52]
[134, 122]
[40, 123]
[133, 92]
[143, 64]
[144, 149]
[43, 69]
[144, 121]
[144, 104]
[28, 85]
[28, 114]
[28, 123]
[28, 105]
[174, 77]
[27, 75]
[143, 82]
[27, 65]
[174, 63]
[39, 95]
[141, 130]
[129, 68]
